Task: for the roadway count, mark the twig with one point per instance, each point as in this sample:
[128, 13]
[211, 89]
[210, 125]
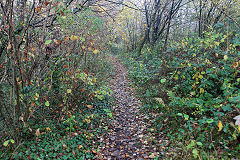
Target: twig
[222, 11]
[16, 149]
[236, 109]
[121, 3]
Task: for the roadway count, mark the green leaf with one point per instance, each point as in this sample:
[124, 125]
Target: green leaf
[199, 143]
[12, 141]
[179, 114]
[6, 143]
[210, 121]
[110, 115]
[186, 116]
[191, 144]
[195, 153]
[163, 80]
[235, 99]
[47, 103]
[48, 42]
[82, 39]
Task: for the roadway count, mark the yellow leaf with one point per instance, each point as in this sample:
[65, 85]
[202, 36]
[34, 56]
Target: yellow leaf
[80, 146]
[87, 120]
[73, 37]
[200, 76]
[225, 57]
[94, 80]
[69, 90]
[201, 90]
[234, 136]
[220, 126]
[31, 54]
[95, 51]
[216, 43]
[48, 129]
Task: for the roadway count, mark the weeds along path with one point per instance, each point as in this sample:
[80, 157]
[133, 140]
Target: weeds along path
[127, 138]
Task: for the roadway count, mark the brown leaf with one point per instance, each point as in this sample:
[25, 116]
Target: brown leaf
[64, 146]
[152, 156]
[62, 13]
[94, 151]
[66, 38]
[9, 46]
[25, 124]
[46, 3]
[37, 133]
[83, 89]
[21, 118]
[38, 9]
[90, 106]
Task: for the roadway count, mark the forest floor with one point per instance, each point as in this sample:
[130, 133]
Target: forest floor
[129, 134]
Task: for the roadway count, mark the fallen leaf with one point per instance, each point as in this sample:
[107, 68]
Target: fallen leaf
[9, 46]
[47, 103]
[152, 156]
[225, 57]
[220, 126]
[83, 89]
[237, 118]
[69, 91]
[87, 120]
[64, 146]
[80, 146]
[95, 51]
[94, 151]
[90, 106]
[37, 133]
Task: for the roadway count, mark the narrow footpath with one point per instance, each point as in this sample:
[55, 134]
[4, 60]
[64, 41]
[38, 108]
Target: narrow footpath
[128, 137]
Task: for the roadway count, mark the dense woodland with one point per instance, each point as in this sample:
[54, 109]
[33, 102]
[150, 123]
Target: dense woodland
[56, 64]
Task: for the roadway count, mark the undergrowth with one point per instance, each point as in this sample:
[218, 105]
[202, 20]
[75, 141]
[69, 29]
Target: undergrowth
[72, 133]
[195, 84]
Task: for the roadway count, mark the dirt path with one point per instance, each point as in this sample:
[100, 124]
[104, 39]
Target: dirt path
[129, 135]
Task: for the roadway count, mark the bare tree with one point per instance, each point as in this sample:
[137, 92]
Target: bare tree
[159, 15]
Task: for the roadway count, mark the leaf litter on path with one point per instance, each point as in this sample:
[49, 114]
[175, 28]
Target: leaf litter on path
[128, 136]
